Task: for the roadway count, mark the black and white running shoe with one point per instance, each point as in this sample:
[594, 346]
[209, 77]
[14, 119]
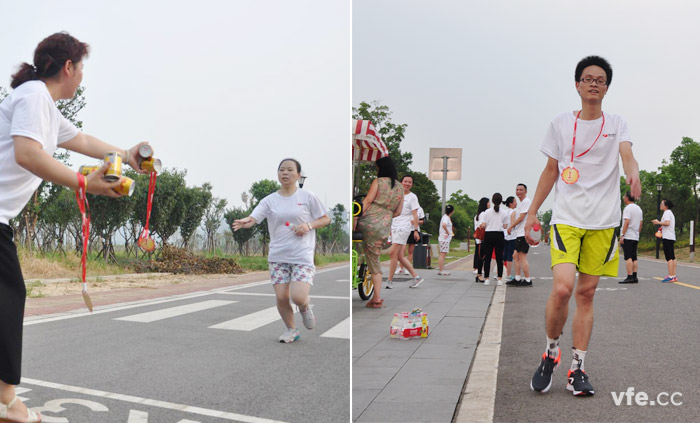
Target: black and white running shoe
[542, 379]
[578, 383]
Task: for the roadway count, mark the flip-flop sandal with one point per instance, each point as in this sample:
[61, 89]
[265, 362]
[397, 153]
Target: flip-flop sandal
[374, 304]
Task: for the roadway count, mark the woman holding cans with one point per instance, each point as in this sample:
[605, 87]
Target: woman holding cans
[31, 129]
[293, 215]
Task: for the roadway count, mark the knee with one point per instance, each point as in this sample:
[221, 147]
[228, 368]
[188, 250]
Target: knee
[585, 296]
[561, 293]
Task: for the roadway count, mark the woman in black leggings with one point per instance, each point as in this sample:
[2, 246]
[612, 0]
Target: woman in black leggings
[494, 221]
[478, 252]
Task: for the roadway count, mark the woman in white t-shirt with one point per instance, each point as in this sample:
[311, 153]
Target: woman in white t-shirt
[495, 220]
[293, 215]
[403, 226]
[484, 204]
[31, 129]
[445, 237]
[668, 238]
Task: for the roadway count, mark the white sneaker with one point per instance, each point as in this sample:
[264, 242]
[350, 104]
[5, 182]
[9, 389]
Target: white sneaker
[486, 282]
[406, 272]
[389, 284]
[398, 271]
[308, 318]
[476, 272]
[416, 281]
[289, 336]
[499, 282]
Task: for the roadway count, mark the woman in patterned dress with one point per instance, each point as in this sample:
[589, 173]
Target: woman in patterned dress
[383, 202]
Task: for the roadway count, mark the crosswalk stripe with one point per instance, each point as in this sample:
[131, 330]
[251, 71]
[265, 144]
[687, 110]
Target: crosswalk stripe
[341, 330]
[167, 313]
[250, 321]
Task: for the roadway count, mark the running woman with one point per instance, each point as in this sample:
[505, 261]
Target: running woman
[31, 129]
[293, 215]
[445, 237]
[583, 150]
[668, 238]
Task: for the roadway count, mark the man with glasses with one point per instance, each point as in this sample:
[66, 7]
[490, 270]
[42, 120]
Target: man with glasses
[583, 148]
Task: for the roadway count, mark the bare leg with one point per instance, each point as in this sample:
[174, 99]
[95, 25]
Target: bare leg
[395, 251]
[299, 292]
[671, 267]
[441, 261]
[19, 411]
[283, 306]
[629, 266]
[516, 263]
[635, 266]
[582, 324]
[408, 266]
[377, 283]
[525, 265]
[558, 302]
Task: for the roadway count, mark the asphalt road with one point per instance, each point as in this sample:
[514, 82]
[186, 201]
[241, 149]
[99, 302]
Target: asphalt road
[186, 360]
[645, 342]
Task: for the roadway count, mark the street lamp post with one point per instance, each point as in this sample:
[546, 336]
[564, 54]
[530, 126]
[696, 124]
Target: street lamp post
[658, 205]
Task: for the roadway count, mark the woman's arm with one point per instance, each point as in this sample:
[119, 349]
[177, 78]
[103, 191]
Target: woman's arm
[30, 155]
[305, 228]
[245, 223]
[92, 146]
[371, 195]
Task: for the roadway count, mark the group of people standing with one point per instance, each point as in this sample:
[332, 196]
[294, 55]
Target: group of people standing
[503, 224]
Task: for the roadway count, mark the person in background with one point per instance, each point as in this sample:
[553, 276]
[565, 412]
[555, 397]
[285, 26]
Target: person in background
[445, 237]
[629, 236]
[668, 238]
[495, 220]
[383, 201]
[509, 239]
[484, 204]
[403, 226]
[411, 243]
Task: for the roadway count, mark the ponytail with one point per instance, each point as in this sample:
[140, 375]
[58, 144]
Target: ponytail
[497, 199]
[49, 57]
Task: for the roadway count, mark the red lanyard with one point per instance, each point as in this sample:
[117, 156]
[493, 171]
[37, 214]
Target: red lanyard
[573, 144]
[144, 240]
[81, 197]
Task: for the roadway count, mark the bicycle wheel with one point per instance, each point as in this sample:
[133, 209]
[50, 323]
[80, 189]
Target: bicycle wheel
[365, 288]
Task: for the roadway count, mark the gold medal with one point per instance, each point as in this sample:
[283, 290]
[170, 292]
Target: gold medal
[569, 175]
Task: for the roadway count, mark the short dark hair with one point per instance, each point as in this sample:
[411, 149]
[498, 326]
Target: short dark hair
[296, 162]
[524, 186]
[449, 208]
[483, 203]
[629, 196]
[668, 203]
[407, 175]
[386, 169]
[593, 61]
[49, 57]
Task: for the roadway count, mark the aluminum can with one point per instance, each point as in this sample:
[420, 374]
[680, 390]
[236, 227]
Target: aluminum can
[114, 172]
[145, 151]
[152, 164]
[126, 187]
[86, 170]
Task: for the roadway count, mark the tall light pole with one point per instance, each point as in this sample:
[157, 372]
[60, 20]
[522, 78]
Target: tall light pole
[658, 205]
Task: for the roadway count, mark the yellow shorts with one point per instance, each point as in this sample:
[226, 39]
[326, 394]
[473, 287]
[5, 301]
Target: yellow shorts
[593, 251]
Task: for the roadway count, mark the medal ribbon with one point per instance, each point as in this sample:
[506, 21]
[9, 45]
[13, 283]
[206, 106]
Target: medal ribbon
[573, 144]
[149, 206]
[81, 197]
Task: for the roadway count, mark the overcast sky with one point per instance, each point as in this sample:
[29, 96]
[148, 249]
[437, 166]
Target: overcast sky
[223, 89]
[489, 77]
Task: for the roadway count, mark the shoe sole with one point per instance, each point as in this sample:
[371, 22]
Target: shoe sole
[576, 393]
[416, 284]
[296, 338]
[543, 391]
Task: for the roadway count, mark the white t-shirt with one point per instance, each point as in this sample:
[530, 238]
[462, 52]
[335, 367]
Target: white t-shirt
[299, 208]
[669, 232]
[28, 111]
[593, 202]
[496, 219]
[403, 221]
[511, 236]
[523, 207]
[634, 213]
[445, 235]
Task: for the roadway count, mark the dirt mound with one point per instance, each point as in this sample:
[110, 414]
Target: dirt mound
[180, 260]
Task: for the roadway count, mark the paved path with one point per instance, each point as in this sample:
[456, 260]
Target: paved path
[418, 380]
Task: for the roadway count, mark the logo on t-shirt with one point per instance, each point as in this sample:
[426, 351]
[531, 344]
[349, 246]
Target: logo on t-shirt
[609, 135]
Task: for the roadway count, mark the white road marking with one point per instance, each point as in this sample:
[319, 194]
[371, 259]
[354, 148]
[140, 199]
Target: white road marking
[154, 403]
[263, 294]
[250, 321]
[167, 313]
[341, 330]
[19, 391]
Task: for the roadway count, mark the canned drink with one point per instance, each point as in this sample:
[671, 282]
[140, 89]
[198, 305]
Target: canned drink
[86, 170]
[115, 167]
[152, 164]
[145, 151]
[126, 187]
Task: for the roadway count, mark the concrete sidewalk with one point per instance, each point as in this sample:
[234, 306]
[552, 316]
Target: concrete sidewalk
[417, 380]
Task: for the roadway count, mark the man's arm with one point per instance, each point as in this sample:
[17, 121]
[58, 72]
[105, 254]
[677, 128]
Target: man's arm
[629, 164]
[544, 187]
[624, 230]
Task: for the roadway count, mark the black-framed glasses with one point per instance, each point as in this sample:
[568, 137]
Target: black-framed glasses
[589, 80]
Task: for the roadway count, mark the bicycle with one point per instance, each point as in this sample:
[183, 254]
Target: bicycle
[361, 277]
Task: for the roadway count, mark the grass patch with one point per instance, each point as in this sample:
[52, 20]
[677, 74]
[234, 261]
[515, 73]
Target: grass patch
[33, 290]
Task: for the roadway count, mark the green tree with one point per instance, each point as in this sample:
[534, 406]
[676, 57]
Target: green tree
[462, 201]
[429, 200]
[683, 171]
[197, 201]
[241, 236]
[212, 221]
[391, 133]
[168, 210]
[258, 191]
[460, 223]
[106, 216]
[333, 236]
